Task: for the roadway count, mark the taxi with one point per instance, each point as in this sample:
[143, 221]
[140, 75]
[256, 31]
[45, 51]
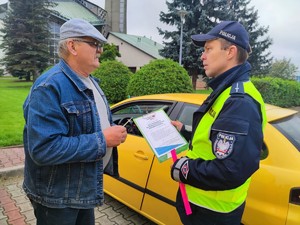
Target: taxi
[145, 184]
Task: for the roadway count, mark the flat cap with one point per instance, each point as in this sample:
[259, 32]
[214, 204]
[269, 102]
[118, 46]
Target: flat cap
[80, 28]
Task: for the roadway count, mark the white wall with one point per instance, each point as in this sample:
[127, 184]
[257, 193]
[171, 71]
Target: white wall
[130, 55]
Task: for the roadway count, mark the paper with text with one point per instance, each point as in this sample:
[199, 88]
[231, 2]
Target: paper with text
[160, 134]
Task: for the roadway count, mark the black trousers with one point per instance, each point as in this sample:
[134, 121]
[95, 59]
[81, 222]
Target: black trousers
[202, 216]
[65, 216]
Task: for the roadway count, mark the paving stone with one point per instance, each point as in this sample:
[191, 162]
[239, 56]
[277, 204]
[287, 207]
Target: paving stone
[98, 213]
[5, 200]
[116, 205]
[3, 221]
[104, 221]
[10, 207]
[2, 215]
[14, 215]
[19, 221]
[31, 222]
[120, 220]
[126, 212]
[21, 199]
[29, 215]
[25, 207]
[110, 212]
[137, 219]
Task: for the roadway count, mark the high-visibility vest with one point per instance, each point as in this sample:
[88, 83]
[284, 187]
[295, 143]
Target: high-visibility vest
[226, 200]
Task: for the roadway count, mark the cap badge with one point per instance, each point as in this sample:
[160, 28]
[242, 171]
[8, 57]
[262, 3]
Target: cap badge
[226, 34]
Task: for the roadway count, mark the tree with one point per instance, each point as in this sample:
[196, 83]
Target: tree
[26, 37]
[202, 17]
[283, 68]
[110, 52]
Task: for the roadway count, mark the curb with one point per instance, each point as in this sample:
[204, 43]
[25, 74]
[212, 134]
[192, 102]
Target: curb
[12, 171]
[12, 146]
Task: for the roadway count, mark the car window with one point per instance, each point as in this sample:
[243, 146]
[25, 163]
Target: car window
[290, 128]
[186, 115]
[140, 109]
[127, 112]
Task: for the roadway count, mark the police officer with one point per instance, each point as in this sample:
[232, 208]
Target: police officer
[227, 133]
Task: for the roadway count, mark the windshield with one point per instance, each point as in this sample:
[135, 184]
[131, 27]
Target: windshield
[290, 128]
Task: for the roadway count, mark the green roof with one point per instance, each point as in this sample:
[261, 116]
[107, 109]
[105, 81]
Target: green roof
[144, 44]
[68, 9]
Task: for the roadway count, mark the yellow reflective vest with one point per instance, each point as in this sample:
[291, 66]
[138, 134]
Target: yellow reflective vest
[227, 200]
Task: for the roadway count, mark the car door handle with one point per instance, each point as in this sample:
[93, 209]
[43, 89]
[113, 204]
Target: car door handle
[141, 155]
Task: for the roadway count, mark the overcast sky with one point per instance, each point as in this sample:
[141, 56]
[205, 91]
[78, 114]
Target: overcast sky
[282, 17]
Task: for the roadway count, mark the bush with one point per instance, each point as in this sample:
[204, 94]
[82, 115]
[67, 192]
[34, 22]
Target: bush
[160, 76]
[114, 77]
[277, 91]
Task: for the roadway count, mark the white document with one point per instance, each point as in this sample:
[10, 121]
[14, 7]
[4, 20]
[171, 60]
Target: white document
[160, 134]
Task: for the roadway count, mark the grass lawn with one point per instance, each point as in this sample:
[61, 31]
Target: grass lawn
[208, 91]
[13, 93]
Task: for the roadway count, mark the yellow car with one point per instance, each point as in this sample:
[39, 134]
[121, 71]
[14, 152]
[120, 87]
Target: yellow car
[145, 184]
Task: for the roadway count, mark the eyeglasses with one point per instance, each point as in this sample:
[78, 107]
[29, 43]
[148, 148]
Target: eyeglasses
[96, 44]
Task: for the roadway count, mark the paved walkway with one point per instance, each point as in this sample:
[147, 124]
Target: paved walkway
[15, 208]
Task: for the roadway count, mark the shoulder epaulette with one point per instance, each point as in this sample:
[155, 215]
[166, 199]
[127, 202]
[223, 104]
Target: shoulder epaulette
[237, 89]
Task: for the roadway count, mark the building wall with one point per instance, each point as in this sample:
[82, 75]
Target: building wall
[130, 55]
[116, 16]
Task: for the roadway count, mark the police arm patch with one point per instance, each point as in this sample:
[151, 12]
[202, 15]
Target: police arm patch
[223, 146]
[185, 169]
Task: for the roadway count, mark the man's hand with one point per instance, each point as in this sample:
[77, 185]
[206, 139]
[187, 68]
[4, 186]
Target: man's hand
[177, 124]
[115, 135]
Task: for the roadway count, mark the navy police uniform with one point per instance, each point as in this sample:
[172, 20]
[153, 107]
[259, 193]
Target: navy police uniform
[235, 159]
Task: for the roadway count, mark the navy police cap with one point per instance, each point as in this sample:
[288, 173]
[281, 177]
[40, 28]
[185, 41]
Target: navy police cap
[231, 31]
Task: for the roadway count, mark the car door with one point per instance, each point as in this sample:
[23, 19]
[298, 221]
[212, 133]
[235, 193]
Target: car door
[135, 156]
[274, 193]
[161, 190]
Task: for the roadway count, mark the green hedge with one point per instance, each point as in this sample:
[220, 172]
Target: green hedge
[277, 91]
[160, 76]
[114, 77]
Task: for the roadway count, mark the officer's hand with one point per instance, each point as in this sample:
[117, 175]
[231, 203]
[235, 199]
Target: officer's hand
[177, 124]
[115, 135]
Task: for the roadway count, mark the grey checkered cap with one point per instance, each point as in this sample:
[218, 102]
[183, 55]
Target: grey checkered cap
[80, 28]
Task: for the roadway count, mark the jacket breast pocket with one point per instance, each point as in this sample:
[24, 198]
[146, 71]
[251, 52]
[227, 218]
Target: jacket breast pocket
[79, 116]
[231, 125]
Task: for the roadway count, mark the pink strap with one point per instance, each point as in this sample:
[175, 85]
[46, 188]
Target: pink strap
[186, 203]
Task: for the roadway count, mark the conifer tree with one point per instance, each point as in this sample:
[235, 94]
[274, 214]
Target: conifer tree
[202, 17]
[26, 37]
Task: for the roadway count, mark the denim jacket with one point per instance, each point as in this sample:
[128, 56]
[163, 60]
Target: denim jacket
[63, 142]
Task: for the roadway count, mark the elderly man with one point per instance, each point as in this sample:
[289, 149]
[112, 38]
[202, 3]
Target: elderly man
[69, 137]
